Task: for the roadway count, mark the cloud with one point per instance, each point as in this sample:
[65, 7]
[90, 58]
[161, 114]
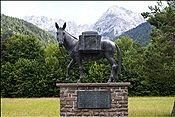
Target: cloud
[88, 13]
[136, 6]
[79, 11]
[20, 8]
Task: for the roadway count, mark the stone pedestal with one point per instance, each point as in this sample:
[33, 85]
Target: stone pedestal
[76, 99]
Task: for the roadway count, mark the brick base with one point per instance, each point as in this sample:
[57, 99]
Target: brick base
[119, 99]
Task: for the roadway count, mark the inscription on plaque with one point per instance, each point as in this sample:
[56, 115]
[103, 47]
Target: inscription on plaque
[93, 99]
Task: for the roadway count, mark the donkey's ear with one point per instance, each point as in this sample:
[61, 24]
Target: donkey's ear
[56, 25]
[64, 26]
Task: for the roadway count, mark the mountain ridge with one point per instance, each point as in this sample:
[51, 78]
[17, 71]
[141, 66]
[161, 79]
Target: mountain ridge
[112, 23]
[118, 21]
[11, 26]
[139, 33]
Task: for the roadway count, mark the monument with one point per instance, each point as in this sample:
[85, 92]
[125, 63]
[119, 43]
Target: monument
[92, 99]
[89, 47]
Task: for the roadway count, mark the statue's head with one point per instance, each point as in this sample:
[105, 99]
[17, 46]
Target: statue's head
[60, 33]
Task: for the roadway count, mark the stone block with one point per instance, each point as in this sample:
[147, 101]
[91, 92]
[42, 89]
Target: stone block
[69, 99]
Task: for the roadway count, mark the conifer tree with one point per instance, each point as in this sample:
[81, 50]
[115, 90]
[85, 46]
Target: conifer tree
[159, 57]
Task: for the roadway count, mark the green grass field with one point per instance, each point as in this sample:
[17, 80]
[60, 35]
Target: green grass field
[30, 107]
[150, 106]
[50, 107]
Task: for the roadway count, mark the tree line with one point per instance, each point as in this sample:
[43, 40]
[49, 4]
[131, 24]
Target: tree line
[28, 69]
[140, 33]
[11, 26]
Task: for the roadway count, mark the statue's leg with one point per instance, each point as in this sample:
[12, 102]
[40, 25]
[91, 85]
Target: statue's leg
[81, 69]
[72, 62]
[113, 67]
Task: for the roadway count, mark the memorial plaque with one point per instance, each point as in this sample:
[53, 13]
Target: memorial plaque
[93, 99]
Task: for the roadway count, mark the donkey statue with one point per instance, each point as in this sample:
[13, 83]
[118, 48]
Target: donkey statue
[108, 49]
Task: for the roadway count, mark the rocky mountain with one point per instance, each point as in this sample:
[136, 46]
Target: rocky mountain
[48, 24]
[117, 20]
[113, 22]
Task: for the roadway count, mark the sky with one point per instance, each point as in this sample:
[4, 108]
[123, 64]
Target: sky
[82, 12]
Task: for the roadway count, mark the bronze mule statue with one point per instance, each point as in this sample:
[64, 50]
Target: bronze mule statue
[108, 49]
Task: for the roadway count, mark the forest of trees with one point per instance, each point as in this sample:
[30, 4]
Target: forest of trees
[140, 33]
[11, 26]
[30, 69]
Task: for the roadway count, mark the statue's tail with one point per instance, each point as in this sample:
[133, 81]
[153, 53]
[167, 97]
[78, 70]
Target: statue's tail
[119, 59]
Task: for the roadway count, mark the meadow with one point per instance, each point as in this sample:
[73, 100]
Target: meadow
[50, 107]
[150, 106]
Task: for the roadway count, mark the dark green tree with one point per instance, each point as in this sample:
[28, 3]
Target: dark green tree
[159, 56]
[22, 58]
[55, 68]
[21, 46]
[132, 60]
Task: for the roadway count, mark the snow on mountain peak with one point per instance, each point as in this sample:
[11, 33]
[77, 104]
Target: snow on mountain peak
[117, 10]
[113, 22]
[117, 20]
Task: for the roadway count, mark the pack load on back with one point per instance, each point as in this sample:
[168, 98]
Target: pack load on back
[89, 41]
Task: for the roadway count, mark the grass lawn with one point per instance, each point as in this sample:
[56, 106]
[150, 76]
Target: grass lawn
[30, 107]
[150, 106]
[50, 107]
